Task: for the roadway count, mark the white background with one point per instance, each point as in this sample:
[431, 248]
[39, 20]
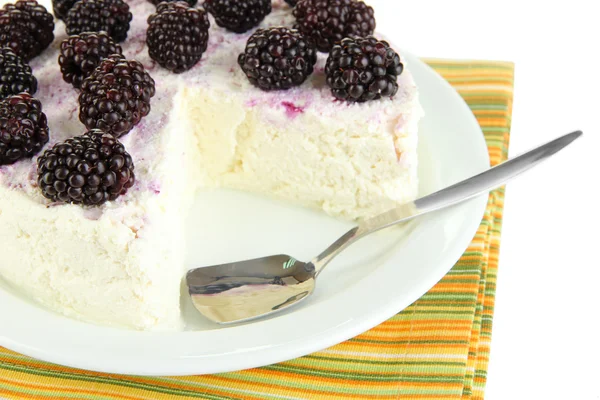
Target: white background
[546, 340]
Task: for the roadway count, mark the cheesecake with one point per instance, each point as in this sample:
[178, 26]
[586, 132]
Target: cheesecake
[121, 263]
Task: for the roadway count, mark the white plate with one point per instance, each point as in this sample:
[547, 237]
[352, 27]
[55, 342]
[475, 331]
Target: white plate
[374, 280]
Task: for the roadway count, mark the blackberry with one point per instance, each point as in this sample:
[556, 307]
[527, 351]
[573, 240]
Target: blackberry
[292, 2]
[90, 169]
[26, 27]
[278, 58]
[81, 54]
[157, 2]
[238, 15]
[363, 69]
[16, 39]
[15, 75]
[177, 35]
[23, 128]
[329, 21]
[111, 16]
[62, 7]
[115, 96]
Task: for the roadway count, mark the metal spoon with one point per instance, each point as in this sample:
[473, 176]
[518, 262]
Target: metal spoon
[246, 290]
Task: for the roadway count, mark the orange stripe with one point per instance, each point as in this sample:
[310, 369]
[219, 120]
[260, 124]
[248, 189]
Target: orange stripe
[425, 337]
[276, 376]
[388, 345]
[428, 396]
[134, 379]
[314, 380]
[31, 385]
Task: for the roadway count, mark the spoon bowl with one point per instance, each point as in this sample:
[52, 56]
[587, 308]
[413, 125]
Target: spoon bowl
[242, 291]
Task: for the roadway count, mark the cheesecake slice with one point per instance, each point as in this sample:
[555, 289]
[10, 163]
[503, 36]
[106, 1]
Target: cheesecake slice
[122, 263]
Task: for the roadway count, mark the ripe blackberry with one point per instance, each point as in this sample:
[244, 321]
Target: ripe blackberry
[329, 21]
[23, 128]
[62, 7]
[26, 27]
[238, 15]
[363, 69]
[111, 16]
[157, 2]
[15, 75]
[177, 35]
[81, 54]
[90, 169]
[16, 39]
[115, 96]
[292, 2]
[42, 22]
[278, 58]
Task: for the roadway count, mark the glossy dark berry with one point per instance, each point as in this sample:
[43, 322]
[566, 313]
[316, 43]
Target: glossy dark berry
[110, 16]
[15, 75]
[62, 7]
[157, 2]
[90, 169]
[363, 69]
[238, 15]
[177, 35]
[278, 58]
[81, 54]
[329, 21]
[26, 27]
[115, 96]
[23, 128]
[16, 39]
[292, 2]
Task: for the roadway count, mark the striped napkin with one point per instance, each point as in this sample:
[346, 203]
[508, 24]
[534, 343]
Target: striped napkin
[437, 348]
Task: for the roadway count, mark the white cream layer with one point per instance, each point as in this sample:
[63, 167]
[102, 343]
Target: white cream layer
[122, 264]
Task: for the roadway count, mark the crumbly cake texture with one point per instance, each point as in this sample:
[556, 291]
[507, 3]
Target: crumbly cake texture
[121, 264]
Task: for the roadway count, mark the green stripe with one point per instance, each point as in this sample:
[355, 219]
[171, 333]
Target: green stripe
[50, 393]
[381, 369]
[323, 386]
[389, 362]
[502, 107]
[414, 341]
[115, 382]
[362, 377]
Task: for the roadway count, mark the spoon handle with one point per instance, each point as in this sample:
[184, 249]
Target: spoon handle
[457, 193]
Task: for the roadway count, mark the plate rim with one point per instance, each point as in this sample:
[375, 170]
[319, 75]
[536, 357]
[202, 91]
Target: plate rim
[258, 356]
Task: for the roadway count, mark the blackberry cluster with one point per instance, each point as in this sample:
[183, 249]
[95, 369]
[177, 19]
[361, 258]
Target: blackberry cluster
[238, 15]
[177, 35]
[26, 27]
[115, 96]
[329, 21]
[190, 2]
[15, 75]
[90, 169]
[62, 7]
[110, 16]
[363, 69]
[81, 54]
[23, 128]
[278, 58]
